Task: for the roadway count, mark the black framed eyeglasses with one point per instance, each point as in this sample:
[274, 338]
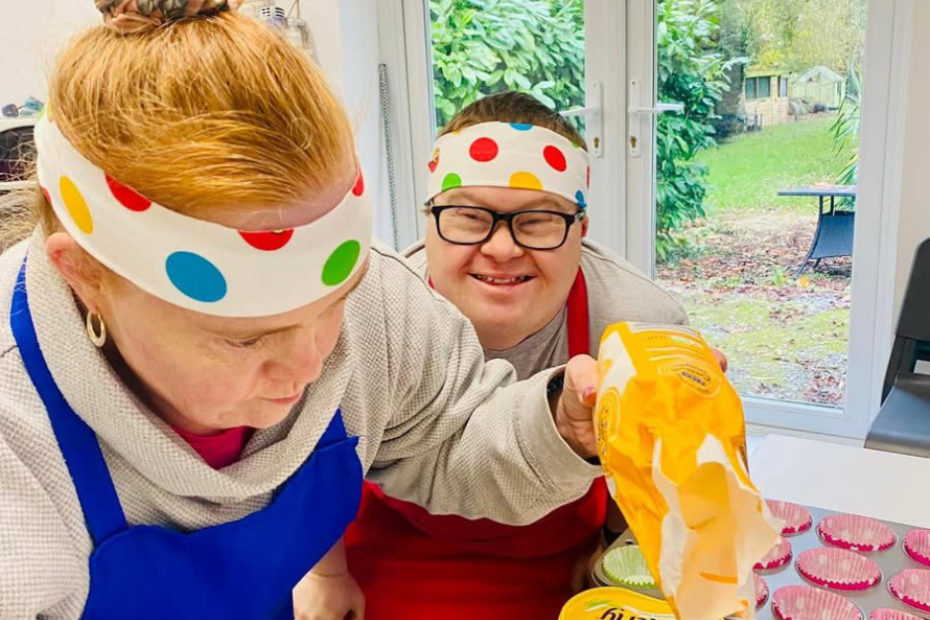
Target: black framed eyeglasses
[532, 229]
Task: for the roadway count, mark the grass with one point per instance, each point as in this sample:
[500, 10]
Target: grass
[786, 337]
[775, 350]
[747, 171]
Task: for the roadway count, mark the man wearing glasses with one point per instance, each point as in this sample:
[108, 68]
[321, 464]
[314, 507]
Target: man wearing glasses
[508, 216]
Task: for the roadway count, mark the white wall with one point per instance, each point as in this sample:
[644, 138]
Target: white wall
[31, 33]
[914, 218]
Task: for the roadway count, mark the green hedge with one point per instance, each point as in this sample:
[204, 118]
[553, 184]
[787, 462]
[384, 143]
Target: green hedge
[481, 47]
[691, 72]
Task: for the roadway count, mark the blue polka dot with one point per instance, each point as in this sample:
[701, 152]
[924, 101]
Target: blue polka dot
[196, 277]
[521, 126]
[579, 198]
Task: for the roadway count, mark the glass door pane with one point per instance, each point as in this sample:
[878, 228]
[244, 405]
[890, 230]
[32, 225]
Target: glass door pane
[481, 47]
[756, 183]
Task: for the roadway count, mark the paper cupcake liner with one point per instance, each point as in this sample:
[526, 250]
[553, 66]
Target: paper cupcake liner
[917, 546]
[838, 569]
[797, 518]
[912, 587]
[627, 566]
[778, 556]
[892, 614]
[807, 603]
[762, 590]
[856, 533]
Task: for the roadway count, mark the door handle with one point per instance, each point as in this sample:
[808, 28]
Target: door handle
[661, 108]
[594, 125]
[636, 126]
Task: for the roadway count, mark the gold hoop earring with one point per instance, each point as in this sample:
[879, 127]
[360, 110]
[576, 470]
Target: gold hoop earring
[99, 338]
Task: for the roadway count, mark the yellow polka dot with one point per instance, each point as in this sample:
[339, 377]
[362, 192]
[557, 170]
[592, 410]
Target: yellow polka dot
[525, 180]
[77, 206]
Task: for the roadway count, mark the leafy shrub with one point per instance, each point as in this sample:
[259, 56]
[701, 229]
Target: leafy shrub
[481, 47]
[693, 73]
[846, 128]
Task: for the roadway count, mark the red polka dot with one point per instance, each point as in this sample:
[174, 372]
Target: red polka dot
[359, 188]
[128, 197]
[434, 163]
[555, 158]
[268, 240]
[48, 196]
[483, 149]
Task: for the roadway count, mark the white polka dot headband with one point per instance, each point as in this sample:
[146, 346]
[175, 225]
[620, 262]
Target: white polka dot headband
[197, 264]
[510, 155]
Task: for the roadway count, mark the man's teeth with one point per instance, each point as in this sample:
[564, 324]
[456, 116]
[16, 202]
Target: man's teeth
[491, 280]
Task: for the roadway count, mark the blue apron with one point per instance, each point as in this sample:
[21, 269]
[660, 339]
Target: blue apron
[244, 570]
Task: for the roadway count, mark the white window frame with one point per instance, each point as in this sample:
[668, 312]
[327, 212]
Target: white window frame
[626, 29]
[403, 29]
[881, 148]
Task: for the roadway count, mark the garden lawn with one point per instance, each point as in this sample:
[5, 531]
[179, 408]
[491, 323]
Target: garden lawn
[793, 349]
[786, 336]
[747, 171]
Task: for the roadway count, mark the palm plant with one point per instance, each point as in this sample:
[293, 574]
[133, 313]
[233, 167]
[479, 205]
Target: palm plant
[846, 128]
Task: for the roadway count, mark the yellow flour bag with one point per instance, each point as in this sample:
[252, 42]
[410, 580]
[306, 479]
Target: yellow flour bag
[671, 439]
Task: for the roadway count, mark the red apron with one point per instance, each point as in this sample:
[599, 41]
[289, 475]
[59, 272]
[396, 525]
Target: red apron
[416, 566]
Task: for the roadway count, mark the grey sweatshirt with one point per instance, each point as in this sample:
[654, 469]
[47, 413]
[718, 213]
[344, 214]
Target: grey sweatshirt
[437, 426]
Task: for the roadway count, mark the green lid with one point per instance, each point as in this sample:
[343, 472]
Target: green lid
[627, 566]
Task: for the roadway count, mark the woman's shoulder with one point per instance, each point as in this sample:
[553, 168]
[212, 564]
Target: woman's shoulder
[416, 256]
[393, 281]
[23, 421]
[393, 305]
[41, 513]
[24, 424]
[386, 258]
[11, 261]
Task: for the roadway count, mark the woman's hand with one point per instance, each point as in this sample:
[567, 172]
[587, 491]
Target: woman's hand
[574, 412]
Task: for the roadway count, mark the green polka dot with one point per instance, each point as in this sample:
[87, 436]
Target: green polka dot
[341, 262]
[451, 181]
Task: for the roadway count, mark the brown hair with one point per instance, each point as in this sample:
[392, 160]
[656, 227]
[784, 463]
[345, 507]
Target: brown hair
[201, 114]
[513, 107]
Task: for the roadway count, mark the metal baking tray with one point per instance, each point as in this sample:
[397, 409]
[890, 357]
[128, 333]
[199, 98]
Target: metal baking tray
[891, 561]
